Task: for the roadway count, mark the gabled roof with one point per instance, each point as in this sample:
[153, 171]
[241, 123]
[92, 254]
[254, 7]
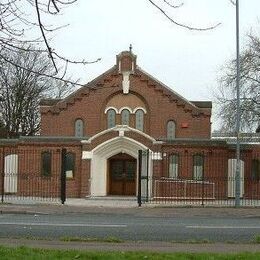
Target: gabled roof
[195, 107]
[202, 104]
[49, 101]
[55, 105]
[165, 86]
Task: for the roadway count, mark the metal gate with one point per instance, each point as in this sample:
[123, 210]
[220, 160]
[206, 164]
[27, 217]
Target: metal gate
[143, 176]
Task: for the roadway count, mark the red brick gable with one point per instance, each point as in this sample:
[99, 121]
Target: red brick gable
[165, 91]
[161, 103]
[104, 81]
[92, 86]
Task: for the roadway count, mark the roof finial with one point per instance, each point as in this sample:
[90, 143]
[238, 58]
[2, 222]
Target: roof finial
[130, 48]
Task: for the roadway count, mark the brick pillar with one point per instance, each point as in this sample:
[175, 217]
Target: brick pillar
[85, 178]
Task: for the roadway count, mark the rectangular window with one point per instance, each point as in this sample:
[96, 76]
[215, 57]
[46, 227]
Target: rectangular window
[173, 166]
[70, 165]
[139, 120]
[46, 163]
[198, 167]
[256, 170]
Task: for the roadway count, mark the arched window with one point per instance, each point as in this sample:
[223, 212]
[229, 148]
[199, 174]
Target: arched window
[173, 166]
[79, 128]
[111, 118]
[125, 116]
[171, 130]
[139, 120]
[70, 165]
[198, 167]
[46, 163]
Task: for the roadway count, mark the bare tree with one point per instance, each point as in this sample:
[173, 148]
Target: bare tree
[19, 20]
[21, 90]
[249, 85]
[24, 22]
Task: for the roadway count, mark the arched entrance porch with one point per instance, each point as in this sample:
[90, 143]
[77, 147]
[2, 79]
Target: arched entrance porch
[100, 182]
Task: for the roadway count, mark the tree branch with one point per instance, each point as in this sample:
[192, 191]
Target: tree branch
[181, 24]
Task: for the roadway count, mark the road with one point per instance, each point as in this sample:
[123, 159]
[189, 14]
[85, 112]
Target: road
[135, 227]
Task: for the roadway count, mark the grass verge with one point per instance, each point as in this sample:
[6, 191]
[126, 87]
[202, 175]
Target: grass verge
[7, 253]
[257, 239]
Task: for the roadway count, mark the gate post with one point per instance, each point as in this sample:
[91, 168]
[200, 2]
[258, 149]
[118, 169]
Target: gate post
[147, 175]
[3, 175]
[63, 176]
[139, 199]
[203, 175]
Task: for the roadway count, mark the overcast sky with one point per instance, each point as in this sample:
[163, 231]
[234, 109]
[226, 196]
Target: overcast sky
[186, 61]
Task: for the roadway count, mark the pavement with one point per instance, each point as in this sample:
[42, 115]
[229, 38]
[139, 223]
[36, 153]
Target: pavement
[80, 206]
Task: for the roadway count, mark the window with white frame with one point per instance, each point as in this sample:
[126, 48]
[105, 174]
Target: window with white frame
[125, 116]
[173, 166]
[198, 166]
[111, 118]
[79, 128]
[139, 119]
[171, 130]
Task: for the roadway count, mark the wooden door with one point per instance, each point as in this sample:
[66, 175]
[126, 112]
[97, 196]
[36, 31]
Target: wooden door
[122, 177]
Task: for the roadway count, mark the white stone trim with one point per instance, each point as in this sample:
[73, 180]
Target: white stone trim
[118, 138]
[85, 141]
[139, 108]
[108, 108]
[156, 156]
[127, 108]
[119, 66]
[121, 132]
[119, 111]
[158, 142]
[133, 65]
[87, 155]
[141, 133]
[119, 128]
[126, 81]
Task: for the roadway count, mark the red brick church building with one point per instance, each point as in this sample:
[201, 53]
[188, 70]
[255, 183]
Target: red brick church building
[104, 124]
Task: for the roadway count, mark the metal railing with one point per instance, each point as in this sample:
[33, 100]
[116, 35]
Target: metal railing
[24, 180]
[210, 181]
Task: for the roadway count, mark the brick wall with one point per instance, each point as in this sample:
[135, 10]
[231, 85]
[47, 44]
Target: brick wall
[32, 183]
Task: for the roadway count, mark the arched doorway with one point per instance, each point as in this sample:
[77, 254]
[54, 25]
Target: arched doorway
[122, 175]
[100, 161]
